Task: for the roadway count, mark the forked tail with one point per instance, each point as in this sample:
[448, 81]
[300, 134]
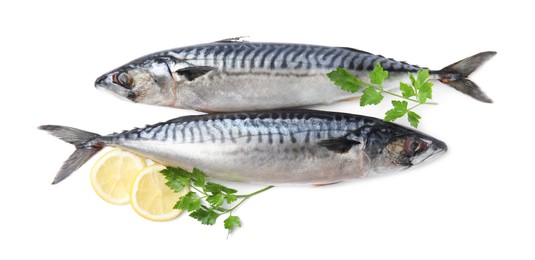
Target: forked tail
[82, 140]
[456, 75]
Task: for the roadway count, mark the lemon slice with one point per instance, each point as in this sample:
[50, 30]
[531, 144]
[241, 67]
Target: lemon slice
[151, 198]
[113, 174]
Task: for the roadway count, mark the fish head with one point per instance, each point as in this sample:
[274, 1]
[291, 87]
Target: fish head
[148, 81]
[393, 148]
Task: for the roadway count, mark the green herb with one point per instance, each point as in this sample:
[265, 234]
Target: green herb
[370, 96]
[209, 200]
[345, 80]
[419, 91]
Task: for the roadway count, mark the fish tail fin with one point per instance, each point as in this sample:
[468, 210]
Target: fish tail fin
[85, 149]
[456, 75]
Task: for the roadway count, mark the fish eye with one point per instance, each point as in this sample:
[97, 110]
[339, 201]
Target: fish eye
[414, 147]
[123, 79]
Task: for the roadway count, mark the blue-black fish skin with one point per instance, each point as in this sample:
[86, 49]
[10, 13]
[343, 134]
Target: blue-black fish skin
[289, 146]
[276, 56]
[230, 76]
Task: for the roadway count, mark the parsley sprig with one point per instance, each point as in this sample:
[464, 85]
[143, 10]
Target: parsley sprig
[209, 200]
[419, 91]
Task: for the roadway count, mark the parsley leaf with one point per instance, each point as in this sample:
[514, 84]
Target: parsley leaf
[218, 188]
[345, 80]
[198, 178]
[213, 187]
[177, 178]
[423, 76]
[370, 96]
[406, 90]
[378, 75]
[189, 202]
[415, 83]
[228, 190]
[399, 110]
[414, 119]
[216, 200]
[232, 222]
[205, 215]
[425, 92]
[231, 198]
[422, 86]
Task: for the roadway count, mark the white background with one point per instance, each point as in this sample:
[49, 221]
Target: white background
[475, 202]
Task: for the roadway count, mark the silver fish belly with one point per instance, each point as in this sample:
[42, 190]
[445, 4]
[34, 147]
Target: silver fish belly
[272, 147]
[241, 76]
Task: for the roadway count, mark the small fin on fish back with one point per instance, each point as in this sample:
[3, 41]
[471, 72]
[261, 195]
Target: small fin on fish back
[234, 39]
[85, 149]
[325, 184]
[456, 75]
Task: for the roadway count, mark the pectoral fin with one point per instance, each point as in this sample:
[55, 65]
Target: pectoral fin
[339, 145]
[191, 73]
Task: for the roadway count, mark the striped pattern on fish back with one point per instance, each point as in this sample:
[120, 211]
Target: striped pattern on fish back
[272, 127]
[281, 56]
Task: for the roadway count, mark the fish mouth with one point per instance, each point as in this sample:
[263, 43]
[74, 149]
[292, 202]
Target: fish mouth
[437, 145]
[101, 80]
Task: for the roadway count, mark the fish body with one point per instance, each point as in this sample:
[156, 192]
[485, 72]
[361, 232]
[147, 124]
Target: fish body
[233, 75]
[269, 147]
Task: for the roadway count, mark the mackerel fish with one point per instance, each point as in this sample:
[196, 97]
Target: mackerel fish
[292, 146]
[233, 75]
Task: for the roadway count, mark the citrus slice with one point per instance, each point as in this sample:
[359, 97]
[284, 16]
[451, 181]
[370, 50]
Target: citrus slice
[151, 198]
[113, 174]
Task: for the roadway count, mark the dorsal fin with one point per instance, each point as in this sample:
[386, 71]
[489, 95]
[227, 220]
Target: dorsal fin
[234, 39]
